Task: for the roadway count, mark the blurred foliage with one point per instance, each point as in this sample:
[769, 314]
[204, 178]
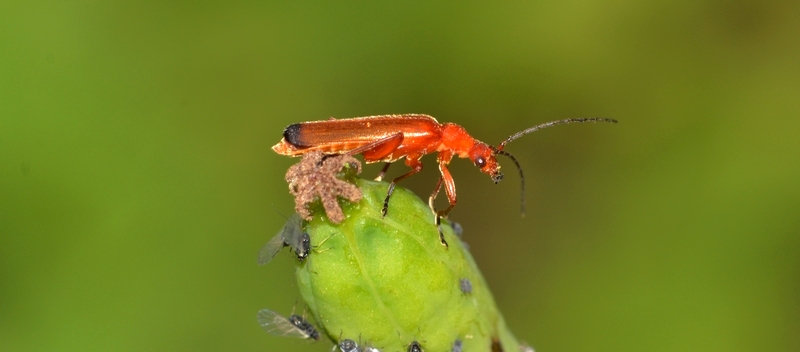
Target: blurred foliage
[137, 183]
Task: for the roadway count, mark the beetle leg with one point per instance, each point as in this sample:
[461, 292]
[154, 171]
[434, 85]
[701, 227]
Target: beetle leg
[383, 172]
[433, 196]
[415, 165]
[436, 217]
[321, 243]
[377, 150]
[450, 189]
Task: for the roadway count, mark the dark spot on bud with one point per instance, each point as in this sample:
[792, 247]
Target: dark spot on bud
[496, 346]
[456, 346]
[465, 285]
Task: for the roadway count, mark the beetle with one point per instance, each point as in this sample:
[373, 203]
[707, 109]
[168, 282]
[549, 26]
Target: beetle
[388, 138]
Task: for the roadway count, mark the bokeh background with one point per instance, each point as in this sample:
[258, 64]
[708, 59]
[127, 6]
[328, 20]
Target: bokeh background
[137, 182]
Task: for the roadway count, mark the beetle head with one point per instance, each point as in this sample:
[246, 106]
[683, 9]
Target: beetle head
[483, 156]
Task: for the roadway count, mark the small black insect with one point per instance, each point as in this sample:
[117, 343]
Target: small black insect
[294, 326]
[465, 285]
[291, 235]
[496, 345]
[456, 346]
[414, 347]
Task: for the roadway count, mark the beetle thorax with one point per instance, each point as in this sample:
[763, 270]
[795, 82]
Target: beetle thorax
[456, 140]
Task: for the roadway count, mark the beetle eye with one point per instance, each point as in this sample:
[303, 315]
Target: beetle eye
[480, 162]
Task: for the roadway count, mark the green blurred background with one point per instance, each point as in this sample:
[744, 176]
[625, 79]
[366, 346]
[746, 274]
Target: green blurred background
[137, 182]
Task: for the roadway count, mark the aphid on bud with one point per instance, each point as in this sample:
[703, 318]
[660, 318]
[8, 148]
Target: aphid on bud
[465, 285]
[457, 228]
[348, 345]
[389, 138]
[497, 346]
[294, 326]
[291, 235]
[459, 231]
[414, 347]
[456, 346]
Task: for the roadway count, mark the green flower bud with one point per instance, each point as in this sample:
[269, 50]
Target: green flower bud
[387, 282]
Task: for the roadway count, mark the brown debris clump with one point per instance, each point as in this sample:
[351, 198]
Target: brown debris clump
[314, 177]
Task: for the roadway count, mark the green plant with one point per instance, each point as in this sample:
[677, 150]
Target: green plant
[388, 282]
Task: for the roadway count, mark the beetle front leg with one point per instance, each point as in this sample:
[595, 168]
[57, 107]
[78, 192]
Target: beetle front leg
[436, 218]
[450, 189]
[416, 166]
[433, 196]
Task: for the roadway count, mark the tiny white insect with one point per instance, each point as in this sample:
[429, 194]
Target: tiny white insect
[348, 345]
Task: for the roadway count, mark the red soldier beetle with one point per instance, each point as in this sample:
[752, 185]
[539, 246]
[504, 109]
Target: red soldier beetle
[388, 138]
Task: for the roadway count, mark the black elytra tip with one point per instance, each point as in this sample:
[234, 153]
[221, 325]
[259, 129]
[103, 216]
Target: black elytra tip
[292, 135]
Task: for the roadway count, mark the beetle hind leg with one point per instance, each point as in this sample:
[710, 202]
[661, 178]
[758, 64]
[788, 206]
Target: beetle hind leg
[383, 172]
[416, 166]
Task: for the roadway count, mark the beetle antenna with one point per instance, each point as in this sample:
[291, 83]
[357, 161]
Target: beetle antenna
[499, 149]
[550, 124]
[279, 213]
[521, 177]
